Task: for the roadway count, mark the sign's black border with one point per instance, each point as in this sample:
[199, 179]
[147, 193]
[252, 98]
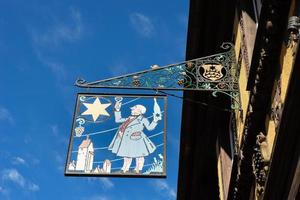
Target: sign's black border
[79, 174]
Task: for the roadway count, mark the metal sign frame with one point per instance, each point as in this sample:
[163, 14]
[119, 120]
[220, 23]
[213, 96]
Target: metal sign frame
[77, 128]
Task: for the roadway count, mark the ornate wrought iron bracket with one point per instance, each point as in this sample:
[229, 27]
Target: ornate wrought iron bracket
[218, 73]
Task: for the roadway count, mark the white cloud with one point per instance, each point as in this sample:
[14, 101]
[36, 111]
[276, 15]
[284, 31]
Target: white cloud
[59, 138]
[106, 183]
[18, 161]
[54, 129]
[12, 175]
[59, 158]
[60, 161]
[33, 187]
[57, 68]
[32, 160]
[67, 30]
[118, 69]
[164, 189]
[5, 115]
[142, 24]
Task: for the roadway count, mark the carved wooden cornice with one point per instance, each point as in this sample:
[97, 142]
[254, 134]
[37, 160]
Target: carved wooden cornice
[244, 48]
[264, 68]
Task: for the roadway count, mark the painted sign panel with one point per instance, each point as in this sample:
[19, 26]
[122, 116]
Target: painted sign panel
[118, 135]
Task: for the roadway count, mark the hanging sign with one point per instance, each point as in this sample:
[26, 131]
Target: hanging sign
[118, 135]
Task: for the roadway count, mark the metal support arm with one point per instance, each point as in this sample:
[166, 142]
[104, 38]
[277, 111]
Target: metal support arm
[218, 73]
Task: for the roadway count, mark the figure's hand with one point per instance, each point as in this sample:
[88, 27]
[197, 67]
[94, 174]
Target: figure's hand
[118, 105]
[156, 117]
[120, 134]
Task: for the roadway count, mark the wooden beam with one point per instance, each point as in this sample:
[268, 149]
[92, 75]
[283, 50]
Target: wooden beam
[283, 181]
[210, 24]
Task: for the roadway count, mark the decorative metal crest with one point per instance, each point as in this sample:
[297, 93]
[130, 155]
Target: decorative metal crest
[217, 73]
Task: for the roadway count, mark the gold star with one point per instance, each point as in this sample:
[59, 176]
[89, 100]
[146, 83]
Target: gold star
[95, 109]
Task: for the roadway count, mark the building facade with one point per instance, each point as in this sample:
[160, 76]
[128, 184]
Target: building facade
[252, 153]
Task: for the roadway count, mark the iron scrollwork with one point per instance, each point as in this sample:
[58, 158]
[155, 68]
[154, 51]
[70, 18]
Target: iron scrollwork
[216, 73]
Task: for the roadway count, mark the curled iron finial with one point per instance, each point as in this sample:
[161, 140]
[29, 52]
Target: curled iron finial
[235, 105]
[80, 82]
[226, 45]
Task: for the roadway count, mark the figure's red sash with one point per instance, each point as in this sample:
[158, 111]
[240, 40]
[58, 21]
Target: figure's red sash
[125, 124]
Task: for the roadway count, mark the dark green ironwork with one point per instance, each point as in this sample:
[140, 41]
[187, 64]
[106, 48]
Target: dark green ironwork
[217, 73]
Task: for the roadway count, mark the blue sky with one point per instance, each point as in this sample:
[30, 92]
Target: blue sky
[44, 47]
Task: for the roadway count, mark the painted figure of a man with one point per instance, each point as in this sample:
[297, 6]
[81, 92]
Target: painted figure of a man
[130, 141]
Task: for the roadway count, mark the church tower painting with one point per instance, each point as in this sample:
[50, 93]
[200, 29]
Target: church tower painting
[85, 156]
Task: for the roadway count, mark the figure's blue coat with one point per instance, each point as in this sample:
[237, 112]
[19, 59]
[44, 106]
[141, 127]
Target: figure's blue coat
[129, 145]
